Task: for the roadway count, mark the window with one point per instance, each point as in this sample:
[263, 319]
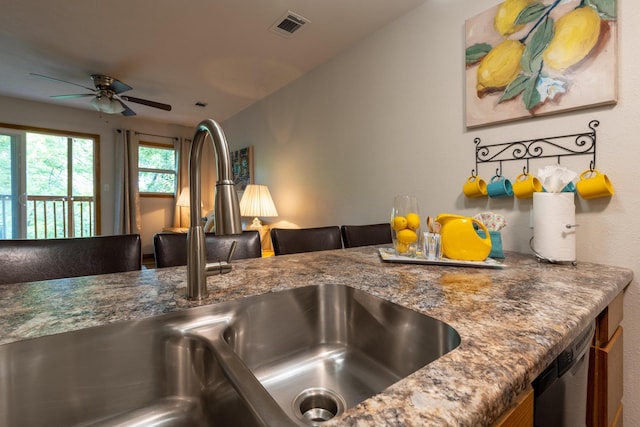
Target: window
[157, 169]
[48, 184]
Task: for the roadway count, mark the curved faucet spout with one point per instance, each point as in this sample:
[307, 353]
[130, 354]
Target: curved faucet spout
[227, 208]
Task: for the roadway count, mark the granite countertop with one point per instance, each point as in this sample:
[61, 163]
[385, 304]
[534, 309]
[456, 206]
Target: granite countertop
[513, 322]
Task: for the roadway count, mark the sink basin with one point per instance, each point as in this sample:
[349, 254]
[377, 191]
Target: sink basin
[125, 374]
[295, 357]
[319, 350]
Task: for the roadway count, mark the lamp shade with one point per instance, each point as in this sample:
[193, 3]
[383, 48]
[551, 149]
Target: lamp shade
[256, 201]
[184, 199]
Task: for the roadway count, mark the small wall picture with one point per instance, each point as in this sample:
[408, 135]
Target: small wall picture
[242, 167]
[527, 58]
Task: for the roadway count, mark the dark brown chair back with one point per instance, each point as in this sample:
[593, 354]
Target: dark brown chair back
[170, 249]
[365, 235]
[292, 241]
[45, 259]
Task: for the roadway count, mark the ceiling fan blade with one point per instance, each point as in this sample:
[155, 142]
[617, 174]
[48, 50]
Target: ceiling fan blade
[63, 81]
[76, 95]
[153, 104]
[127, 111]
[119, 87]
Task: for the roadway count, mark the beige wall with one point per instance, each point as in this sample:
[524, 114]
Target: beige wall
[387, 117]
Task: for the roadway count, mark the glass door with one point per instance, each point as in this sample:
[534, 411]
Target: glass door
[10, 214]
[47, 186]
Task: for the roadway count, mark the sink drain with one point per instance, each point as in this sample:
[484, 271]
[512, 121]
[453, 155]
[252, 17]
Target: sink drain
[317, 405]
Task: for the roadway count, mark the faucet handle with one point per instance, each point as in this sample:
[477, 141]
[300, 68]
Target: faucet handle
[221, 267]
[232, 250]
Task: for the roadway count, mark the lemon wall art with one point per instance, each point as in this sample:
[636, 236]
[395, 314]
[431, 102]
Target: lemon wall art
[526, 58]
[242, 167]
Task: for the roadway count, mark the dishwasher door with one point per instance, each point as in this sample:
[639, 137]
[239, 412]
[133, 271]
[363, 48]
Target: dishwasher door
[561, 390]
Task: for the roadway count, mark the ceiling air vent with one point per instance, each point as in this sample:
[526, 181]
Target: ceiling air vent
[288, 24]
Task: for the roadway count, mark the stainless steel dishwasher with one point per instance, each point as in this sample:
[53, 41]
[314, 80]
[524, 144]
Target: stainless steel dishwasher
[561, 390]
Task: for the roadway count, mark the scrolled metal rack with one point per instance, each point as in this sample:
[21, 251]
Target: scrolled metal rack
[577, 144]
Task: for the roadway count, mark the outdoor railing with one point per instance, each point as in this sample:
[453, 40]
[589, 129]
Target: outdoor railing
[49, 217]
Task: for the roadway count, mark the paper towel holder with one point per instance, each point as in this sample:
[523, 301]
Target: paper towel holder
[541, 257]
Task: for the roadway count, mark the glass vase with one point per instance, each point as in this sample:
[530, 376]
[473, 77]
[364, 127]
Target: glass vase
[405, 226]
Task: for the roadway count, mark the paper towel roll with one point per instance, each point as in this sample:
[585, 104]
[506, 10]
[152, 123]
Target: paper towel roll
[552, 213]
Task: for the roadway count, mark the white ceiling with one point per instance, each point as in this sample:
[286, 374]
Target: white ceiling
[176, 52]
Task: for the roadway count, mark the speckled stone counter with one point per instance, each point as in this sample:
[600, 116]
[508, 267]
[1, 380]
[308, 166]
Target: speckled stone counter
[513, 322]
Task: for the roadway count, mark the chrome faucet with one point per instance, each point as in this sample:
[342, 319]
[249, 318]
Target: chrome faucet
[227, 209]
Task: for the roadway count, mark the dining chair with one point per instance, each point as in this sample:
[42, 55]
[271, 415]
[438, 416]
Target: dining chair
[292, 241]
[365, 235]
[170, 249]
[30, 260]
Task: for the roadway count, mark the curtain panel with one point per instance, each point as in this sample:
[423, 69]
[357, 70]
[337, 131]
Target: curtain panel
[180, 214]
[127, 219]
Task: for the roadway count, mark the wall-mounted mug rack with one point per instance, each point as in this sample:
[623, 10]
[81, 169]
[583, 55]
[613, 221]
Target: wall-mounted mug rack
[578, 144]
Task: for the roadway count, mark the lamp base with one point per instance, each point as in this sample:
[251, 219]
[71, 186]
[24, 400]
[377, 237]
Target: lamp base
[265, 238]
[256, 224]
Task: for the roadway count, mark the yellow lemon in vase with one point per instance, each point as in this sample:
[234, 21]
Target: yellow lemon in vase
[399, 223]
[407, 236]
[413, 221]
[402, 247]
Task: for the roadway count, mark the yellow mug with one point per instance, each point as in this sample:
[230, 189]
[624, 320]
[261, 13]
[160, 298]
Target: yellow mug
[525, 185]
[594, 184]
[475, 187]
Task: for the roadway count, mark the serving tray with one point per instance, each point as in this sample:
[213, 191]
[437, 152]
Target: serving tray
[389, 255]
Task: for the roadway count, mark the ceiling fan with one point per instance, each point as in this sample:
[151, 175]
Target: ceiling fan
[106, 95]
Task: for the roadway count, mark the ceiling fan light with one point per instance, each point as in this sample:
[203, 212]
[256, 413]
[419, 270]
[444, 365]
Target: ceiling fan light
[107, 105]
[115, 106]
[95, 103]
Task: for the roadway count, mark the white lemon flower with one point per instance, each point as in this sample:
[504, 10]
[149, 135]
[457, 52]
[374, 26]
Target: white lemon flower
[548, 88]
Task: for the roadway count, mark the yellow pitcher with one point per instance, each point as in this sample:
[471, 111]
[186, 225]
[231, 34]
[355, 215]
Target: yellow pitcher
[460, 240]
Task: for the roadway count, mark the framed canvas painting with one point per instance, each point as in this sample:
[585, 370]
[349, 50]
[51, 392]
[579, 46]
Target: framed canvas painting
[527, 58]
[242, 167]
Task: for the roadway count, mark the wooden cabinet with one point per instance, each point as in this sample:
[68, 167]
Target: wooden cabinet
[520, 413]
[604, 401]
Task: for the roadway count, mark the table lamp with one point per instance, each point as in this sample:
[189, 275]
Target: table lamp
[257, 202]
[184, 202]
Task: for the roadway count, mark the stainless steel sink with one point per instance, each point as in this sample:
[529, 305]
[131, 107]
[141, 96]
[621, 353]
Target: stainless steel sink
[132, 373]
[319, 350]
[296, 357]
